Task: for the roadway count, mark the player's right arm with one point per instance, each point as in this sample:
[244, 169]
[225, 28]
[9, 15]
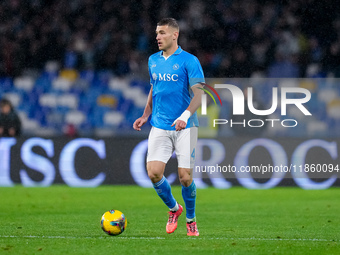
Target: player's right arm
[147, 112]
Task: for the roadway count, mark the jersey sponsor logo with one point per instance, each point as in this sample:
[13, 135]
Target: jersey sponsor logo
[166, 77]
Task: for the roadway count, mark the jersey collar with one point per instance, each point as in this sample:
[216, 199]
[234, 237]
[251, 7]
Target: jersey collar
[178, 51]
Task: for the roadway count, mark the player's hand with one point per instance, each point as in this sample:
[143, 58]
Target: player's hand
[180, 124]
[181, 121]
[139, 123]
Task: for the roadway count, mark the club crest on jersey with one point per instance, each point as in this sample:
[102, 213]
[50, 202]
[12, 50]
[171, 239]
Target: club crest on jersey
[175, 66]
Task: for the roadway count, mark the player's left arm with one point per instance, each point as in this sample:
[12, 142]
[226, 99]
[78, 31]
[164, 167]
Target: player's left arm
[195, 103]
[196, 77]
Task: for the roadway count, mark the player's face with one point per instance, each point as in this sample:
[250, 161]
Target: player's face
[166, 36]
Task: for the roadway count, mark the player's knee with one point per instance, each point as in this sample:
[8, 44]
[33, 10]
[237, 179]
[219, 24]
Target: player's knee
[155, 171]
[185, 180]
[154, 177]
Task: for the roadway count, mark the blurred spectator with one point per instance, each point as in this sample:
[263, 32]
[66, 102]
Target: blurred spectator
[10, 124]
[70, 131]
[284, 67]
[207, 129]
[332, 58]
[316, 52]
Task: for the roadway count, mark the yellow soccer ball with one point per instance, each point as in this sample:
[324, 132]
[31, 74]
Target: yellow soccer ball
[113, 222]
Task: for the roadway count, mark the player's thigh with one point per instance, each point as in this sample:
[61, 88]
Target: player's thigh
[185, 147]
[160, 148]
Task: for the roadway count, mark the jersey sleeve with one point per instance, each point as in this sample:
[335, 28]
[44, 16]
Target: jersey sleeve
[149, 68]
[195, 71]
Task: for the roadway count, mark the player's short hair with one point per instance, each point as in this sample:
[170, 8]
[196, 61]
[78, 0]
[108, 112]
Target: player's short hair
[171, 22]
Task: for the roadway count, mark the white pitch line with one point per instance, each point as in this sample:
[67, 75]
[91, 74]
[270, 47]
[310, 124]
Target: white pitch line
[273, 239]
[193, 238]
[84, 237]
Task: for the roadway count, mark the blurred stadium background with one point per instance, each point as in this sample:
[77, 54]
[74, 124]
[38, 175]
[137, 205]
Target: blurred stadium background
[84, 63]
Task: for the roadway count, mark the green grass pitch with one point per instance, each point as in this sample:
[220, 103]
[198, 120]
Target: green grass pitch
[64, 220]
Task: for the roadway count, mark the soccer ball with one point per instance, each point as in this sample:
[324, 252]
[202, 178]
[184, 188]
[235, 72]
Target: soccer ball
[113, 222]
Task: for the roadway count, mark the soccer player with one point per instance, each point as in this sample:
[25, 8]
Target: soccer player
[175, 95]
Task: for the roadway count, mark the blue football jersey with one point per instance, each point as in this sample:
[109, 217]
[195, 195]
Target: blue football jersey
[171, 81]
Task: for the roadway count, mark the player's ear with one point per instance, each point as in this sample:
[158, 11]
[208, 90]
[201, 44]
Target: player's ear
[175, 35]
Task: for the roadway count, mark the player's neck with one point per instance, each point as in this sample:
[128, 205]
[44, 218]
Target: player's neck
[170, 51]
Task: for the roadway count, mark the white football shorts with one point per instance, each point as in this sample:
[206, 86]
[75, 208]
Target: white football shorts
[162, 143]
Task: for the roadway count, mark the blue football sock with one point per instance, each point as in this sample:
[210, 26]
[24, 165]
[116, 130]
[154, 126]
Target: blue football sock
[163, 190]
[189, 197]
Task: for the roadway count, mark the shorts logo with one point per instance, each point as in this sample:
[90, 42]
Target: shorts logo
[154, 76]
[175, 66]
